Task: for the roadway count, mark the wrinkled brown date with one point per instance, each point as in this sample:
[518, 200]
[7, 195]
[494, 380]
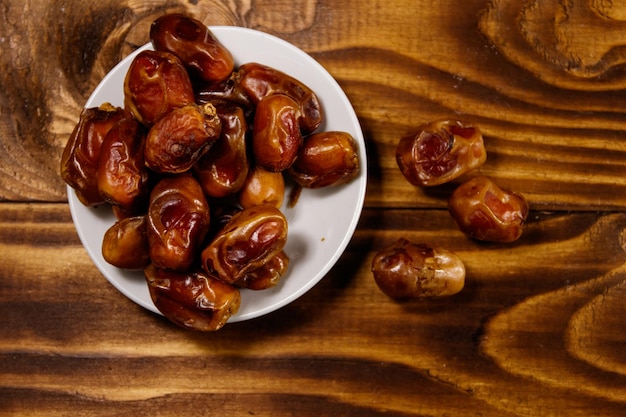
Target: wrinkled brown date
[125, 244]
[276, 136]
[251, 238]
[224, 169]
[194, 43]
[224, 93]
[178, 221]
[156, 83]
[192, 300]
[122, 174]
[80, 159]
[325, 159]
[408, 270]
[181, 137]
[262, 187]
[267, 276]
[484, 211]
[439, 152]
[260, 81]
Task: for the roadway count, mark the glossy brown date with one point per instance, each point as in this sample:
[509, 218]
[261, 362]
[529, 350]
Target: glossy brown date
[440, 151]
[267, 276]
[178, 221]
[125, 244]
[192, 300]
[484, 211]
[408, 270]
[156, 83]
[276, 136]
[80, 159]
[251, 238]
[262, 187]
[325, 159]
[225, 93]
[260, 81]
[122, 173]
[181, 137]
[223, 170]
[194, 43]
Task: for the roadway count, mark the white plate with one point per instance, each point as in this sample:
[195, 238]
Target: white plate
[320, 225]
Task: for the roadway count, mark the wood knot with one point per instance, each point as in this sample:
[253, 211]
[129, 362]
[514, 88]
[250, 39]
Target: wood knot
[580, 38]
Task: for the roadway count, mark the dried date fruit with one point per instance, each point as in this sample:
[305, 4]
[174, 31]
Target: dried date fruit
[260, 81]
[251, 238]
[484, 211]
[440, 151]
[267, 276]
[156, 83]
[181, 137]
[194, 43]
[276, 136]
[178, 221]
[325, 159]
[223, 170]
[125, 244]
[408, 270]
[224, 94]
[193, 300]
[262, 187]
[122, 173]
[80, 159]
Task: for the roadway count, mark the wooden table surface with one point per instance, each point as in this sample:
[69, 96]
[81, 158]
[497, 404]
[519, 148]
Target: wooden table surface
[539, 329]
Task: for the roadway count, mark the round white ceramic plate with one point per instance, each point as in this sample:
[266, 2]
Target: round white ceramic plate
[320, 225]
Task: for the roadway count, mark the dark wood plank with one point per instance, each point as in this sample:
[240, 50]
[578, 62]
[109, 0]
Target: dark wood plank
[553, 132]
[535, 331]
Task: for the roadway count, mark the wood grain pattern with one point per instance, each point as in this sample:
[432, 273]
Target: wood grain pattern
[558, 143]
[526, 342]
[539, 327]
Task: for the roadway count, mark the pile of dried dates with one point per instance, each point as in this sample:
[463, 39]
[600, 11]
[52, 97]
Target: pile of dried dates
[194, 167]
